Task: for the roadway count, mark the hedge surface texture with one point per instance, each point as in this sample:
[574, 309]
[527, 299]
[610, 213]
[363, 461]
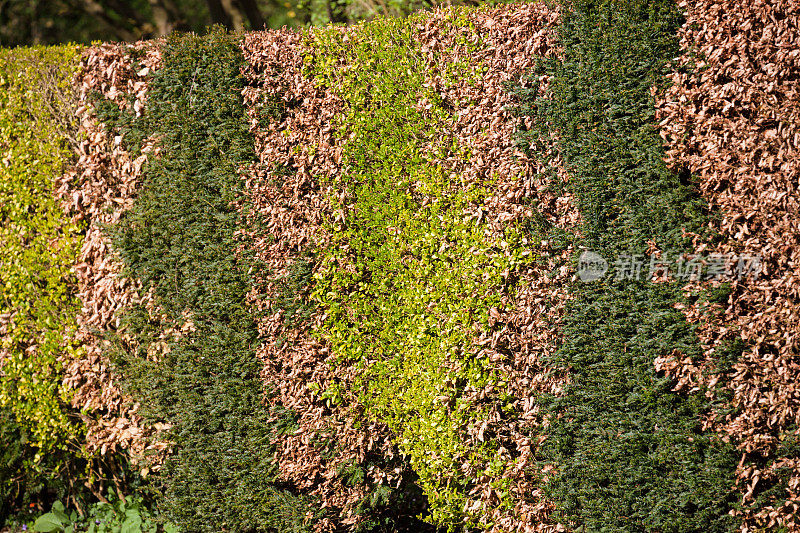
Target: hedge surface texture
[186, 345]
[285, 213]
[395, 196]
[627, 454]
[96, 192]
[733, 121]
[325, 280]
[38, 247]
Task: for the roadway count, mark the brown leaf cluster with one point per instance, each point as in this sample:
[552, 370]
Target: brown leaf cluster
[734, 121]
[97, 191]
[286, 211]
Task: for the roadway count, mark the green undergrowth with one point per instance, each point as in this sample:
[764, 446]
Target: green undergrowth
[629, 454]
[39, 436]
[179, 240]
[113, 515]
[407, 281]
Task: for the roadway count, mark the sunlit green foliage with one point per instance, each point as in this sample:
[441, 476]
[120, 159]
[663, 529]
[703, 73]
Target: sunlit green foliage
[179, 239]
[407, 281]
[38, 248]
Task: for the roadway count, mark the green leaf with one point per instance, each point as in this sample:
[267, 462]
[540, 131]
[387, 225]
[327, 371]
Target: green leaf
[58, 511]
[48, 523]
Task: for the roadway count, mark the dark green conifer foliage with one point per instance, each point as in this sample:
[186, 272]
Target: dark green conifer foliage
[630, 454]
[180, 240]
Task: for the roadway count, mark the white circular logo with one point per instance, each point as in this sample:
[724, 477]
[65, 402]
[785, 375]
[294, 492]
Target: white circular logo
[591, 266]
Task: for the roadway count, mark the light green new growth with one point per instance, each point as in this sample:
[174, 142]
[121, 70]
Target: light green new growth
[38, 243]
[408, 280]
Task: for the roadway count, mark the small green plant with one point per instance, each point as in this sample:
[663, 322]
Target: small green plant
[56, 520]
[117, 515]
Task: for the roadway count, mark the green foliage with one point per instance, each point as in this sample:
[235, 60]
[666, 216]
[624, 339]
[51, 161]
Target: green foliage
[629, 453]
[26, 481]
[38, 247]
[179, 240]
[407, 281]
[38, 243]
[56, 520]
[116, 515]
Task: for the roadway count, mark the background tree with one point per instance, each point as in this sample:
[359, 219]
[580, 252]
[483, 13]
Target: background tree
[31, 22]
[24, 22]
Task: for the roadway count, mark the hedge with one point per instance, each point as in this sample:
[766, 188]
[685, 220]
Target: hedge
[360, 180]
[420, 279]
[731, 121]
[342, 459]
[38, 245]
[178, 242]
[339, 296]
[628, 453]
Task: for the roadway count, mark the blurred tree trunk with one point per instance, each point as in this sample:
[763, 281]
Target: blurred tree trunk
[166, 16]
[237, 11]
[36, 30]
[234, 13]
[250, 8]
[218, 13]
[26, 22]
